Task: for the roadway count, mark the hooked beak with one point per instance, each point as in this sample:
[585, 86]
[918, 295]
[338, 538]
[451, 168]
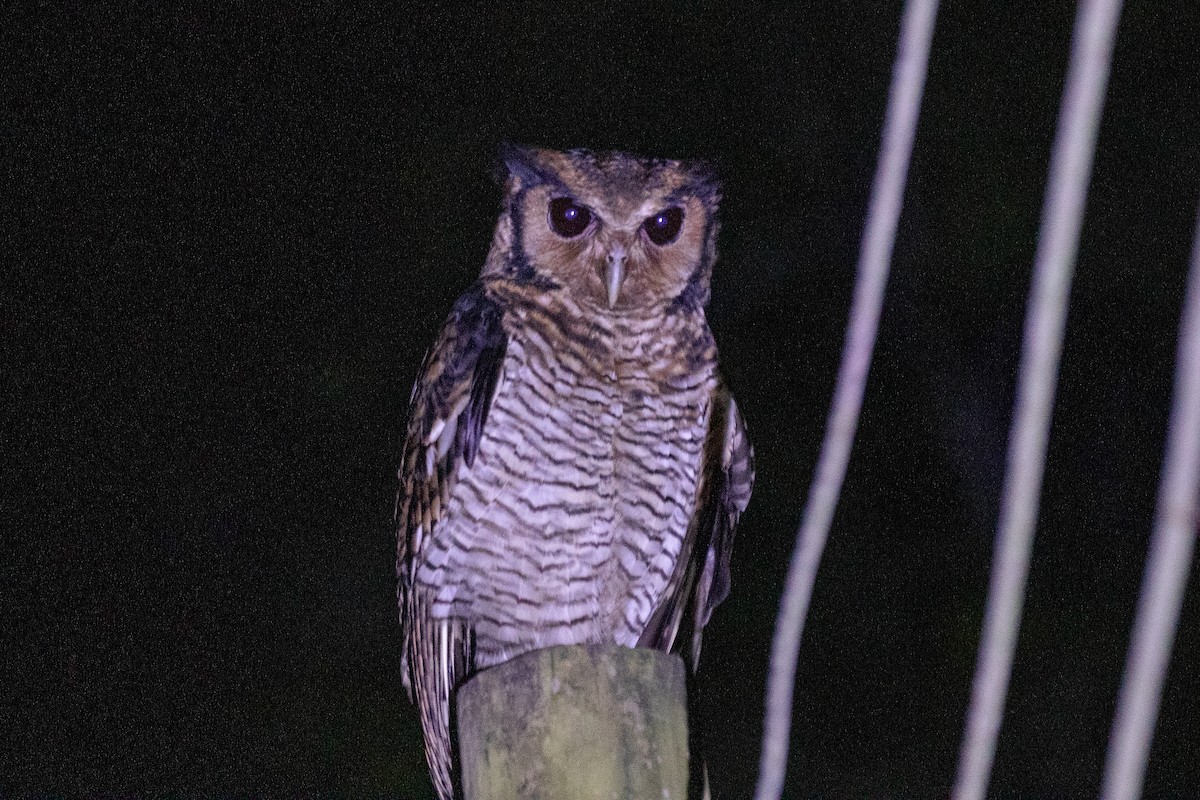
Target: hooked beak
[614, 273]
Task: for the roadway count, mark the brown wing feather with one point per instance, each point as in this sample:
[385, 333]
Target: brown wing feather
[447, 413]
[701, 578]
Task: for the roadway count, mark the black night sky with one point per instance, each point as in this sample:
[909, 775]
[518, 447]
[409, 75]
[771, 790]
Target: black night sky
[230, 234]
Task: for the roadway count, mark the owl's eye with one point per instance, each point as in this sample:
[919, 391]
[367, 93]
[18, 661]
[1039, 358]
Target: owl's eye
[568, 218]
[664, 227]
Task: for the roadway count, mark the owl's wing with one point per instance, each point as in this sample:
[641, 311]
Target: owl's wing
[701, 579]
[447, 414]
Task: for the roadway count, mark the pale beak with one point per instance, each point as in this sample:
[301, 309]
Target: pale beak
[614, 273]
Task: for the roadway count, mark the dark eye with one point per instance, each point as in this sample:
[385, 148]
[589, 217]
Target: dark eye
[568, 218]
[663, 227]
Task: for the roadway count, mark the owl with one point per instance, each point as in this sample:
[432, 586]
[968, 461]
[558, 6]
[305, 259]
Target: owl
[574, 465]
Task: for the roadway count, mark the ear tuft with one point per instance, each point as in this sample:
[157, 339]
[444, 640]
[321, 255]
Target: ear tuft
[704, 180]
[521, 162]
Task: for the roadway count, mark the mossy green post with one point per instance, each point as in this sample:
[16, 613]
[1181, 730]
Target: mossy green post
[590, 722]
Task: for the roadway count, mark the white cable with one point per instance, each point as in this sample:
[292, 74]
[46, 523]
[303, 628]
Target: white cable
[1175, 526]
[900, 122]
[1058, 241]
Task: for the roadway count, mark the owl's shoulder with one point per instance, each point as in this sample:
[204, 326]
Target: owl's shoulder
[509, 294]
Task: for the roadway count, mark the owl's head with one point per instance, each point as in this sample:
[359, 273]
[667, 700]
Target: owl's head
[618, 231]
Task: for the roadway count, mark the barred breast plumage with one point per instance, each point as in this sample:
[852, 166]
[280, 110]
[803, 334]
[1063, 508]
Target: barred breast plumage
[574, 466]
[567, 527]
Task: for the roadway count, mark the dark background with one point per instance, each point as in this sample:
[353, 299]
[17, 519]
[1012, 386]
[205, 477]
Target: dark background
[232, 234]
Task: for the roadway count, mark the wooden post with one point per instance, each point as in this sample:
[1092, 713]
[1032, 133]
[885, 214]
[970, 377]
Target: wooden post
[590, 722]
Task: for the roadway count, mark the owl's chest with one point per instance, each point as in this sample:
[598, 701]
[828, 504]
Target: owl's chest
[608, 391]
[583, 487]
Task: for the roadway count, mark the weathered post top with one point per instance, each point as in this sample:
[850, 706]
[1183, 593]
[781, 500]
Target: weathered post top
[588, 722]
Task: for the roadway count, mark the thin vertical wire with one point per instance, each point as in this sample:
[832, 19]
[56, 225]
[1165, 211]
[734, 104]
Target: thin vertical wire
[1175, 527]
[900, 122]
[1058, 241]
